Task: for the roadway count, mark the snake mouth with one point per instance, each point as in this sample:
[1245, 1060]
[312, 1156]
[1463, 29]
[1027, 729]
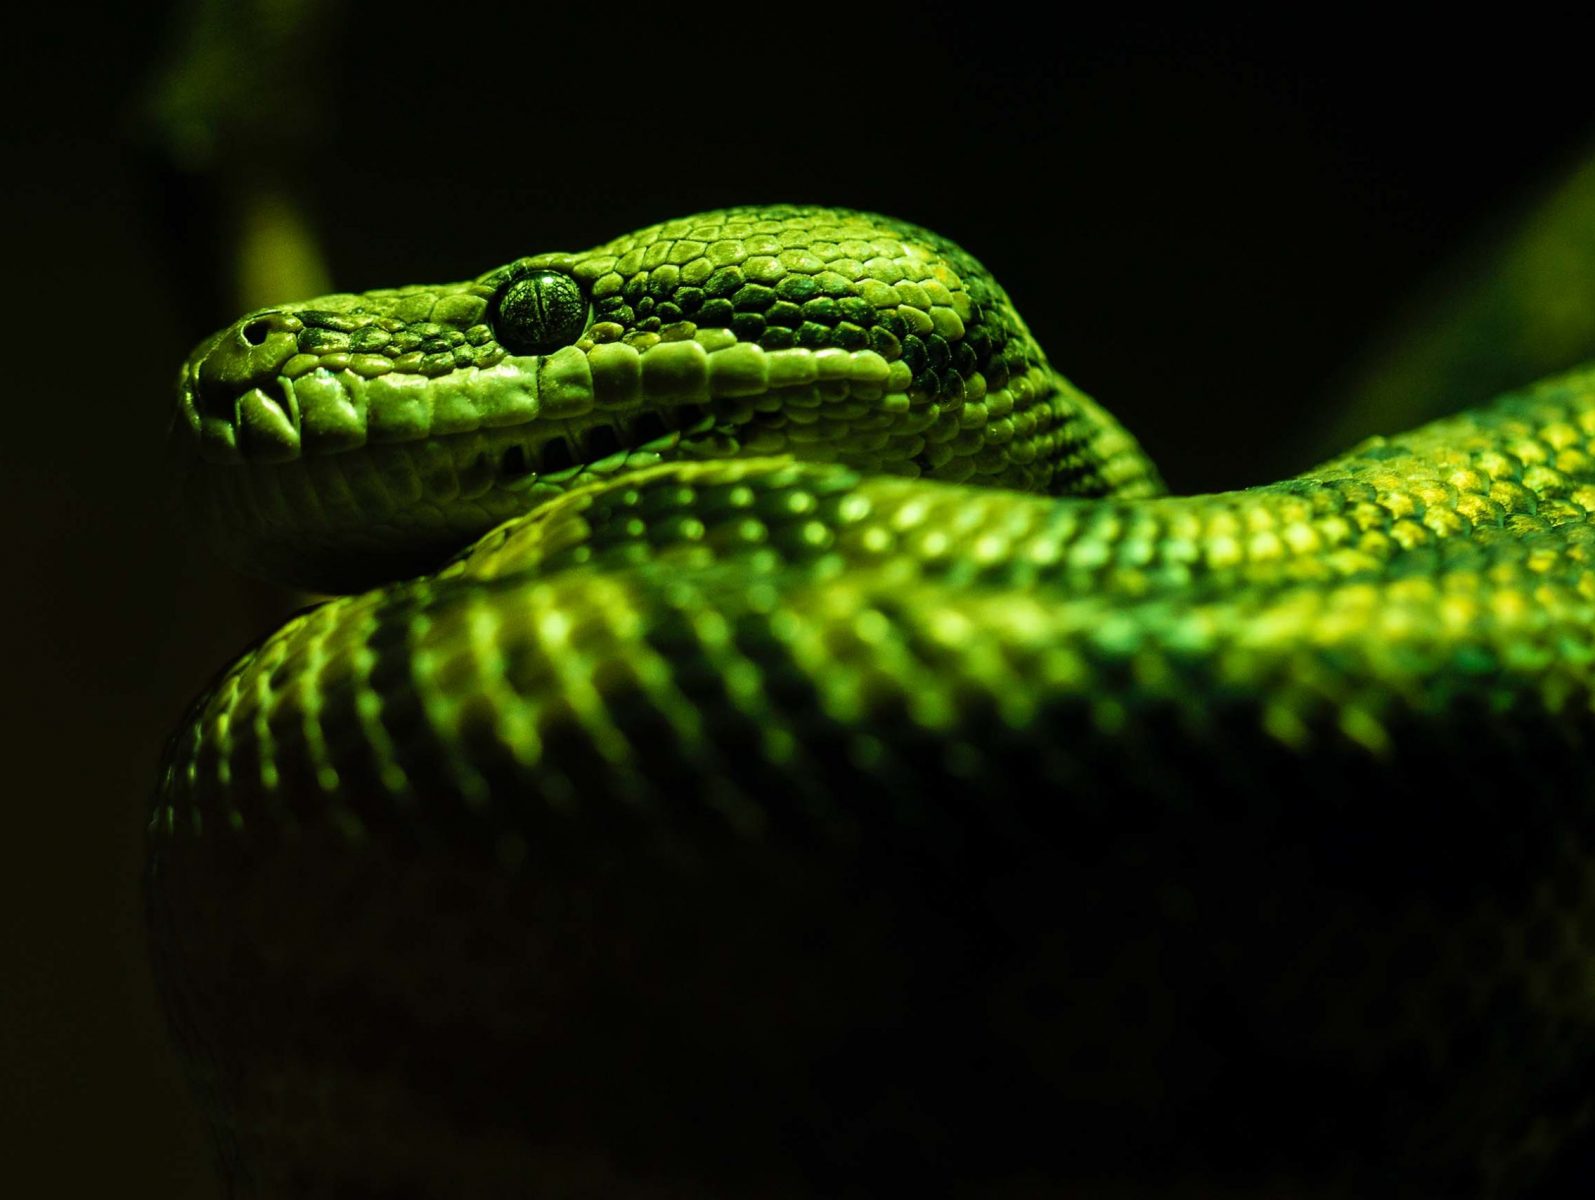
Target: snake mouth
[245, 406]
[335, 522]
[334, 475]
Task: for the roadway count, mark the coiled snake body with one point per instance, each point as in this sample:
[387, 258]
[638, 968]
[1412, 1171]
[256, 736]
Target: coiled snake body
[790, 794]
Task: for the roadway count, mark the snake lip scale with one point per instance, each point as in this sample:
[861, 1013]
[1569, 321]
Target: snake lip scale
[778, 736]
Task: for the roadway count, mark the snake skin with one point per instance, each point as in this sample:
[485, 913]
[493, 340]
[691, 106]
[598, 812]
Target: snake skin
[790, 796]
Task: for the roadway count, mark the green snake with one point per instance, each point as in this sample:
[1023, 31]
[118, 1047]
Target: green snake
[791, 743]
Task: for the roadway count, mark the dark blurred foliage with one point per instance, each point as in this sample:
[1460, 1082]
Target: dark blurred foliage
[1204, 219]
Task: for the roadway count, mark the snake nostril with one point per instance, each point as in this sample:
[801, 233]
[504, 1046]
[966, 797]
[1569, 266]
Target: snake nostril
[255, 331]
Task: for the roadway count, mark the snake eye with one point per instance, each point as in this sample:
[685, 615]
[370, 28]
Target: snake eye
[538, 312]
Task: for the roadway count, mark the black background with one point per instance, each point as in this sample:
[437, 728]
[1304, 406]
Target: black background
[1204, 221]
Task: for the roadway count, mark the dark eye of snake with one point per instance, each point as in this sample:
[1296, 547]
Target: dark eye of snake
[538, 312]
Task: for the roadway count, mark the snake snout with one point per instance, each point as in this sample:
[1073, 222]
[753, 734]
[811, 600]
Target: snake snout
[237, 402]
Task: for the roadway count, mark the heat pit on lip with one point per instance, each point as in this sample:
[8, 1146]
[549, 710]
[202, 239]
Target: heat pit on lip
[562, 454]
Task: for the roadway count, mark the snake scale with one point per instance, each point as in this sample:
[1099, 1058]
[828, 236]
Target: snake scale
[792, 747]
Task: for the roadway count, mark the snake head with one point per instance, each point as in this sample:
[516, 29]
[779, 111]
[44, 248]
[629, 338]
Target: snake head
[354, 438]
